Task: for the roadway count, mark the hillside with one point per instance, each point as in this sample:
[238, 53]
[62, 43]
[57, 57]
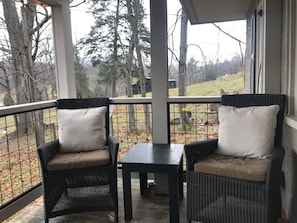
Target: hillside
[230, 84]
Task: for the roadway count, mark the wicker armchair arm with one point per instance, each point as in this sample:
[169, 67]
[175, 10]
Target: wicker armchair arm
[47, 151]
[113, 146]
[273, 183]
[199, 150]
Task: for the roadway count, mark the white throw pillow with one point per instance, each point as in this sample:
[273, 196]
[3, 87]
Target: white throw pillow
[247, 132]
[81, 130]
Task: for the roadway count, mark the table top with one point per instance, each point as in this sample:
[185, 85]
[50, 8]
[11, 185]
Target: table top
[147, 153]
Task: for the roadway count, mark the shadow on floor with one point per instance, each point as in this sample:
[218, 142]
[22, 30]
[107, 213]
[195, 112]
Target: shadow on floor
[146, 209]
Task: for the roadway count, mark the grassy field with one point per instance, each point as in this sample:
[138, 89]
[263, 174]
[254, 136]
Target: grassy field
[230, 84]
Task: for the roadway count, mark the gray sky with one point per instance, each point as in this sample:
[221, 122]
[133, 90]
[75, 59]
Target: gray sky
[215, 44]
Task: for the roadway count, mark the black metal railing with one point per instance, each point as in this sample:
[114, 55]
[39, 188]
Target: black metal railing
[193, 119]
[24, 127]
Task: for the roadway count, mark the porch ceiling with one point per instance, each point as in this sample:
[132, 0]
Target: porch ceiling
[199, 11]
[207, 11]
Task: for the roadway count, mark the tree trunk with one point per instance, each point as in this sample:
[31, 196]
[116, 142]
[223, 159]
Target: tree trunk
[134, 9]
[140, 65]
[19, 65]
[182, 66]
[131, 19]
[28, 11]
[115, 51]
[20, 33]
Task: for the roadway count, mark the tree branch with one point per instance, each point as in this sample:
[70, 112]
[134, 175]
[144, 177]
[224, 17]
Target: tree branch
[219, 28]
[78, 4]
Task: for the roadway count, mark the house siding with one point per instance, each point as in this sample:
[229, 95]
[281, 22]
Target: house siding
[288, 87]
[289, 179]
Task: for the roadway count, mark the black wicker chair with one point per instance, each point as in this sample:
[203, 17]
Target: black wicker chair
[81, 189]
[213, 198]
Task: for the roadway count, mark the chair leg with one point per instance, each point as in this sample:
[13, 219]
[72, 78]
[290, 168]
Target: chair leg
[116, 215]
[114, 194]
[46, 219]
[116, 211]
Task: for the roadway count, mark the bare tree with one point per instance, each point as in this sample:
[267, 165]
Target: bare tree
[182, 67]
[135, 18]
[5, 71]
[132, 20]
[24, 37]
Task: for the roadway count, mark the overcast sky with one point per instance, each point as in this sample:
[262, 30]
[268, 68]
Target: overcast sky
[215, 44]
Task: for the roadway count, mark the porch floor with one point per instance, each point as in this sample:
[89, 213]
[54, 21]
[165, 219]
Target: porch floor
[146, 209]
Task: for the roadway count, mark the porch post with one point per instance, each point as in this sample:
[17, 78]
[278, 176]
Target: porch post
[159, 73]
[63, 50]
[159, 70]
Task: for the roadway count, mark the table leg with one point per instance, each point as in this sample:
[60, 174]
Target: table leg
[143, 183]
[127, 193]
[181, 183]
[173, 181]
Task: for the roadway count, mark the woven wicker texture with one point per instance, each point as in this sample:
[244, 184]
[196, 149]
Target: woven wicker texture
[218, 199]
[85, 189]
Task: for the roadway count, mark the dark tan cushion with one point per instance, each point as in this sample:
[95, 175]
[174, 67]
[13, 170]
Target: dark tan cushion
[66, 161]
[239, 168]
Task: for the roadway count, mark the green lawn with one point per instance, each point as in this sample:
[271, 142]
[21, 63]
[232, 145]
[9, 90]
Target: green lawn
[230, 84]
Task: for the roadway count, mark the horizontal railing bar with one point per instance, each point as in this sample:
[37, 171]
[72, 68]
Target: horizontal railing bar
[175, 99]
[16, 109]
[140, 100]
[195, 99]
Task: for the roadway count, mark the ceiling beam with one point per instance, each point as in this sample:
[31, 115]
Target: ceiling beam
[202, 11]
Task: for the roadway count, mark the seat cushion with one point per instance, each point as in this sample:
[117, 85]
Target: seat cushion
[66, 161]
[247, 132]
[81, 129]
[234, 167]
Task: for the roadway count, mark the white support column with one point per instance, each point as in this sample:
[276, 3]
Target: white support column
[159, 70]
[63, 50]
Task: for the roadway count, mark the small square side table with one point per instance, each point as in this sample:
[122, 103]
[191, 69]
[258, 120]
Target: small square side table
[154, 158]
